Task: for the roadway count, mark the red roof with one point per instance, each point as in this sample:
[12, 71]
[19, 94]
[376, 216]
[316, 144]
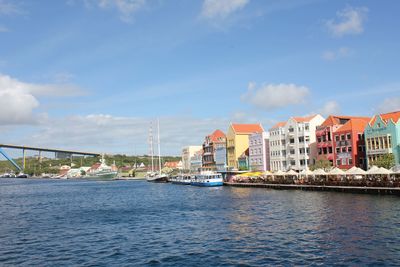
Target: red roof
[279, 124]
[216, 135]
[336, 120]
[394, 116]
[247, 128]
[171, 164]
[354, 124]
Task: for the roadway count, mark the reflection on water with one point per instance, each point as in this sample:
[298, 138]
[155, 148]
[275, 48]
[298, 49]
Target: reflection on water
[123, 223]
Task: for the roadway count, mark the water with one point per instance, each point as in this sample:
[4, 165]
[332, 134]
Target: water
[125, 223]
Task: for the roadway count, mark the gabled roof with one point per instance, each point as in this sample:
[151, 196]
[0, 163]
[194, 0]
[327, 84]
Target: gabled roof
[247, 128]
[338, 120]
[216, 135]
[279, 125]
[304, 119]
[394, 116]
[355, 124]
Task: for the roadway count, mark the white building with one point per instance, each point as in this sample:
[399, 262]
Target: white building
[259, 156]
[187, 153]
[293, 143]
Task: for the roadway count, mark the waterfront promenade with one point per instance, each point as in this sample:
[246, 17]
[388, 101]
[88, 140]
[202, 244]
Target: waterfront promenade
[336, 188]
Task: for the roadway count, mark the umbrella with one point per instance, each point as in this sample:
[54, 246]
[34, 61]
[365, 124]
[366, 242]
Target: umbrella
[336, 171]
[385, 171]
[306, 172]
[291, 172]
[267, 173]
[373, 170]
[279, 173]
[356, 171]
[319, 172]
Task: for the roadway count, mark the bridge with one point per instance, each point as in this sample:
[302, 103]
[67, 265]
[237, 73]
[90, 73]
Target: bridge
[64, 152]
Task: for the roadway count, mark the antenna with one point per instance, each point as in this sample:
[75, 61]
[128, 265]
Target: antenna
[151, 146]
[159, 150]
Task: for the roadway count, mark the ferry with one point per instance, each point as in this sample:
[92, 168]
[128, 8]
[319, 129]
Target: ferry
[207, 179]
[184, 179]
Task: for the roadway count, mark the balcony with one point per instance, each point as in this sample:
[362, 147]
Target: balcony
[379, 151]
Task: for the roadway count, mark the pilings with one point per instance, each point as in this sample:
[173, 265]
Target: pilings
[344, 189]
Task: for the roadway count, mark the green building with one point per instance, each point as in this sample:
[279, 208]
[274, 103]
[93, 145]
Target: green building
[382, 136]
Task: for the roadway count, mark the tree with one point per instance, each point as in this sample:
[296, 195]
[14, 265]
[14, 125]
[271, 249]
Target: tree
[386, 161]
[324, 164]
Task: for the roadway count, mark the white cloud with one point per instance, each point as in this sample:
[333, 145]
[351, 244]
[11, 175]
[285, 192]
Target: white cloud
[18, 100]
[9, 8]
[126, 8]
[112, 134]
[350, 21]
[330, 108]
[221, 8]
[273, 96]
[389, 105]
[4, 29]
[331, 55]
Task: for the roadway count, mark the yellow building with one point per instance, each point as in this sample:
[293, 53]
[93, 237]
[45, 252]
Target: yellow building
[237, 141]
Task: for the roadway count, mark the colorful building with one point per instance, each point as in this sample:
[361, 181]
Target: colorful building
[349, 145]
[220, 157]
[238, 141]
[187, 153]
[295, 142]
[196, 161]
[277, 147]
[210, 144]
[259, 158]
[324, 136]
[382, 136]
[243, 161]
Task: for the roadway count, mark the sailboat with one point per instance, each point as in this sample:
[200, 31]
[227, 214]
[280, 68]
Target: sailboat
[153, 176]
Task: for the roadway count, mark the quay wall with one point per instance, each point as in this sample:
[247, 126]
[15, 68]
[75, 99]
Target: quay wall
[344, 189]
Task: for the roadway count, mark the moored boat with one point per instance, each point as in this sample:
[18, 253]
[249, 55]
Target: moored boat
[101, 171]
[183, 179]
[207, 179]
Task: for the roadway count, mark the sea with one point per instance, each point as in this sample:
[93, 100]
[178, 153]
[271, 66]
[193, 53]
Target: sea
[136, 223]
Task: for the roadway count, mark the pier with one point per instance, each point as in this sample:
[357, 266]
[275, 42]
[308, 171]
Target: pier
[344, 189]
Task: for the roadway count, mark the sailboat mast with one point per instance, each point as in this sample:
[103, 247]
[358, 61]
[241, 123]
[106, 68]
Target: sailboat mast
[151, 146]
[159, 150]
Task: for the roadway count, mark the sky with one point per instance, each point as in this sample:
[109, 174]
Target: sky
[94, 74]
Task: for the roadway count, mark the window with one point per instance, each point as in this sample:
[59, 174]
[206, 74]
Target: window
[348, 136]
[338, 162]
[349, 149]
[292, 162]
[291, 130]
[307, 126]
[350, 161]
[342, 137]
[301, 139]
[330, 150]
[319, 151]
[319, 139]
[343, 149]
[291, 151]
[337, 138]
[291, 140]
[343, 161]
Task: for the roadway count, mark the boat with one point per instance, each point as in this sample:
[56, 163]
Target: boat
[207, 179]
[184, 179]
[101, 171]
[21, 175]
[156, 177]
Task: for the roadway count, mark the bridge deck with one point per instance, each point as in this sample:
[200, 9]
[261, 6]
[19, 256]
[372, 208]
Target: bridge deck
[50, 150]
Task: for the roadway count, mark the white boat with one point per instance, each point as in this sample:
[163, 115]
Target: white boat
[207, 179]
[153, 176]
[184, 179]
[101, 172]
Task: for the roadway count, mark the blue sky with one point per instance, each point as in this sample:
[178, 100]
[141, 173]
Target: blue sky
[92, 74]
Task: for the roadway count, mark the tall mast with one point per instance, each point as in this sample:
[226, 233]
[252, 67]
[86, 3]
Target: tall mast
[151, 146]
[159, 150]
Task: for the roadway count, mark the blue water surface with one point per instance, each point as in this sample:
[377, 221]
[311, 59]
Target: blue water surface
[126, 223]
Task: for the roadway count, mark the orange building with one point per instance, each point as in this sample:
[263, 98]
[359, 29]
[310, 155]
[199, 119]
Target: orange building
[349, 144]
[324, 136]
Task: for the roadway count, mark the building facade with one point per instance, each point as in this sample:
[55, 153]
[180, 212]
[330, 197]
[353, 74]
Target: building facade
[382, 136]
[187, 153]
[324, 136]
[349, 144]
[210, 144]
[295, 145]
[196, 161]
[237, 139]
[277, 147]
[220, 157]
[259, 154]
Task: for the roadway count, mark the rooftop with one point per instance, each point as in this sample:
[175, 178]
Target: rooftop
[340, 120]
[356, 124]
[394, 116]
[247, 128]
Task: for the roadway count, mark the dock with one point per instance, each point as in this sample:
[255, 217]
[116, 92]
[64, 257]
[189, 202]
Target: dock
[344, 189]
